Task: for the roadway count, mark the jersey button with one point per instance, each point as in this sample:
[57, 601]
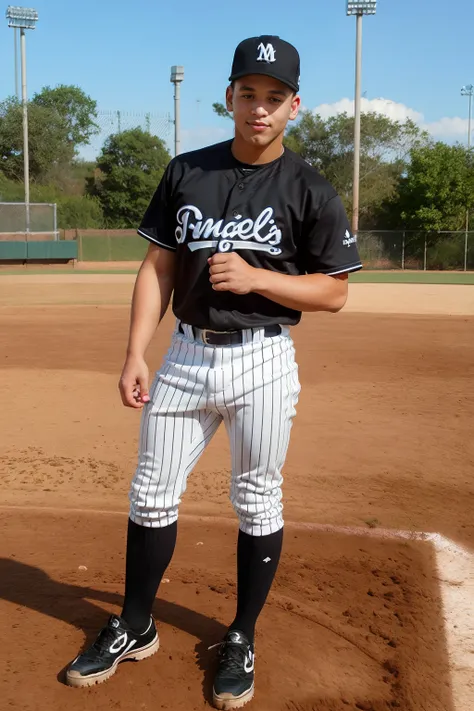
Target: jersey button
[241, 186]
[235, 213]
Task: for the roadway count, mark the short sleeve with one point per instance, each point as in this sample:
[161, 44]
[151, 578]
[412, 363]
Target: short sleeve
[157, 225]
[330, 247]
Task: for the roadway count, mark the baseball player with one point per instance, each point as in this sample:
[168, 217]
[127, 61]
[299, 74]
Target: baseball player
[246, 236]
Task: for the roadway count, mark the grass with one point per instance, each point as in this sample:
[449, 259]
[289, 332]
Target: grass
[362, 277]
[372, 522]
[412, 277]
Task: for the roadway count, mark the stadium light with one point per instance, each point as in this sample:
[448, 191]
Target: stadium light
[23, 18]
[177, 76]
[359, 8]
[467, 90]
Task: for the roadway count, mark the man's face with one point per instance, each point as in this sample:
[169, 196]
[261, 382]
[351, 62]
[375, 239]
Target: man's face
[262, 107]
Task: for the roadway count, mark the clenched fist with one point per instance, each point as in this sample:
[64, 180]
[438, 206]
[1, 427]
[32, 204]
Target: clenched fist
[229, 272]
[133, 384]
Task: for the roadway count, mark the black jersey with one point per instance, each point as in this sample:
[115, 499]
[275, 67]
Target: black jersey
[283, 216]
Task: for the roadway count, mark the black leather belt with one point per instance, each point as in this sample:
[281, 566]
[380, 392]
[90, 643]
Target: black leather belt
[227, 338]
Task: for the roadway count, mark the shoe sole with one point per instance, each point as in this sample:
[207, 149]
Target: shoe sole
[75, 679]
[225, 702]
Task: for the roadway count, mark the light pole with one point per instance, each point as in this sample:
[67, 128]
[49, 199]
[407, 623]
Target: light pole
[177, 76]
[359, 8]
[467, 90]
[17, 82]
[24, 18]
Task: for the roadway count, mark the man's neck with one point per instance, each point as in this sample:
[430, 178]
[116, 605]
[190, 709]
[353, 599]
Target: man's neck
[256, 155]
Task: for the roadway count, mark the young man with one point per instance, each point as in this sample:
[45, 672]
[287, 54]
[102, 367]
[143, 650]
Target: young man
[246, 235]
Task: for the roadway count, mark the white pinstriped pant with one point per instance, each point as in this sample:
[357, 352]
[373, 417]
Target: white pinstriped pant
[253, 388]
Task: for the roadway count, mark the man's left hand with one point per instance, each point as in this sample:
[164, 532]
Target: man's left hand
[229, 272]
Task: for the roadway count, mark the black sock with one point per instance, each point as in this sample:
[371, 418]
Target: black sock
[149, 552]
[257, 563]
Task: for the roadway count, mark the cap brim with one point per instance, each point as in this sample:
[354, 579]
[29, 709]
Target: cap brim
[267, 73]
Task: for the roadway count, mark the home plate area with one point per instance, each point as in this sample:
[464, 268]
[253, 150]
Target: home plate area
[353, 622]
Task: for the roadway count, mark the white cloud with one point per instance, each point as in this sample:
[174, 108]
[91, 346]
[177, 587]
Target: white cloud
[397, 112]
[447, 127]
[450, 127]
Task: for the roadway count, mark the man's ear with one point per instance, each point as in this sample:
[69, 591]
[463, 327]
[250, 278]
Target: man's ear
[295, 107]
[229, 97]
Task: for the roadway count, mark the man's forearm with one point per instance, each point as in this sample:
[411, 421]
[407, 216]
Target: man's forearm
[308, 292]
[151, 297]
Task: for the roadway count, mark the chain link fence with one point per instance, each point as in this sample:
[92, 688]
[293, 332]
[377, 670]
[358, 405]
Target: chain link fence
[116, 121]
[379, 250]
[407, 249]
[108, 245]
[34, 221]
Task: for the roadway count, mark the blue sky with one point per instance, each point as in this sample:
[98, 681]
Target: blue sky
[416, 53]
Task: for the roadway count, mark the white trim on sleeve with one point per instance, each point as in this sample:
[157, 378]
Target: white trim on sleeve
[342, 271]
[155, 241]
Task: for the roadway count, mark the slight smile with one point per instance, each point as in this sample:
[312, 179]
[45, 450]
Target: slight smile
[258, 126]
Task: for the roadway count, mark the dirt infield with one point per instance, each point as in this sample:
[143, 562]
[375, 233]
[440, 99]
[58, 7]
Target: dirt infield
[382, 438]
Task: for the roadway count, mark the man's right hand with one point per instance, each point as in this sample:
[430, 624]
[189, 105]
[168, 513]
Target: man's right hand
[133, 384]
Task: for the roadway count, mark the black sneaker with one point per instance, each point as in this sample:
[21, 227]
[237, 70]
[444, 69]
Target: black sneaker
[234, 680]
[114, 643]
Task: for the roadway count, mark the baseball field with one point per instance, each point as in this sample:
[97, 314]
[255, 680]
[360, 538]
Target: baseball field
[372, 608]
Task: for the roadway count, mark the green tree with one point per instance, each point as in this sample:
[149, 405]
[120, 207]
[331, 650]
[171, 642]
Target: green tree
[328, 145]
[221, 110]
[129, 169]
[47, 140]
[76, 109]
[435, 191]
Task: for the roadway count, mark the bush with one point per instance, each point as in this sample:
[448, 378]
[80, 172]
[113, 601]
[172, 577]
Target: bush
[448, 253]
[14, 191]
[10, 190]
[78, 212]
[380, 251]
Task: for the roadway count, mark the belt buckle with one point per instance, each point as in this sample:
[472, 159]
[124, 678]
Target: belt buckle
[204, 333]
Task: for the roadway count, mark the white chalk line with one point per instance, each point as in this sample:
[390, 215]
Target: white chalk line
[391, 533]
[439, 541]
[455, 568]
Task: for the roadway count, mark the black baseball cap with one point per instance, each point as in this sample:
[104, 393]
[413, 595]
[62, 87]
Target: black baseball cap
[268, 55]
